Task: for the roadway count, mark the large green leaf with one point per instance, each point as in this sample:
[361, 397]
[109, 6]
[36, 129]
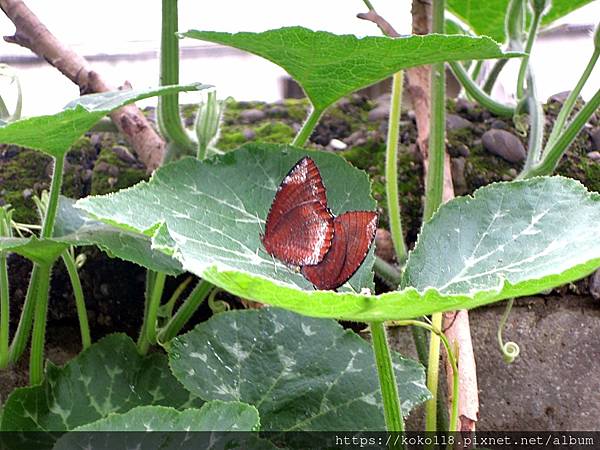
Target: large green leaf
[54, 134]
[109, 377]
[329, 66]
[213, 212]
[487, 17]
[75, 227]
[300, 373]
[163, 422]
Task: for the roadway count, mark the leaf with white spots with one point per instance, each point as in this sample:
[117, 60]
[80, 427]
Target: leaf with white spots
[109, 377]
[300, 373]
[508, 240]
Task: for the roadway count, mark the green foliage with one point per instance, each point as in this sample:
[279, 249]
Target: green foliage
[547, 240]
[329, 66]
[487, 17]
[267, 358]
[54, 134]
[109, 377]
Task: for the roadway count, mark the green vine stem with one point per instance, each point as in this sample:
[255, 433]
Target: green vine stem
[4, 311]
[567, 107]
[510, 350]
[387, 272]
[491, 79]
[524, 67]
[536, 124]
[552, 155]
[69, 261]
[148, 331]
[185, 311]
[36, 298]
[495, 107]
[168, 117]
[19, 342]
[36, 357]
[434, 185]
[391, 168]
[436, 331]
[387, 379]
[307, 128]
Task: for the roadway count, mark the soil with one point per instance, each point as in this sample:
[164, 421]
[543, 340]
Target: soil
[556, 332]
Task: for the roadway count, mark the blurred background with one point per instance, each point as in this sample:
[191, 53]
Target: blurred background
[121, 39]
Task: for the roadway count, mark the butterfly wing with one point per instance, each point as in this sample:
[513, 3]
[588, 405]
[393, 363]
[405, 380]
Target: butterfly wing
[299, 226]
[354, 232]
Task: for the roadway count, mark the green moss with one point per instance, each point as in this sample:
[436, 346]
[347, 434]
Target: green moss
[25, 170]
[111, 174]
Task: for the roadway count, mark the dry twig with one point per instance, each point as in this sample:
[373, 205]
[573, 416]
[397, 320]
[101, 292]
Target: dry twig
[32, 34]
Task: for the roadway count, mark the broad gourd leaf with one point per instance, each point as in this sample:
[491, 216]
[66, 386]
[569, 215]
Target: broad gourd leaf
[75, 227]
[162, 428]
[54, 134]
[109, 377]
[214, 212]
[486, 18]
[300, 373]
[330, 66]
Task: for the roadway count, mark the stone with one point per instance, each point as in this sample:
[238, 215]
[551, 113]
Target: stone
[357, 138]
[27, 193]
[559, 97]
[595, 135]
[277, 111]
[384, 246]
[595, 285]
[498, 124]
[504, 144]
[249, 134]
[457, 167]
[594, 156]
[336, 144]
[456, 122]
[252, 115]
[378, 113]
[124, 154]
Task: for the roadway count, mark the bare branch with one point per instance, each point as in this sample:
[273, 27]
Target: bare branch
[33, 34]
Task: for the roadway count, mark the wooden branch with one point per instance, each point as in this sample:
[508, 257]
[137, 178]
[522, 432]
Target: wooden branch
[32, 34]
[456, 324]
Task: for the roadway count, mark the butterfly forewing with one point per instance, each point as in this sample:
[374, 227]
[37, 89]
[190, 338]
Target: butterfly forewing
[353, 235]
[299, 226]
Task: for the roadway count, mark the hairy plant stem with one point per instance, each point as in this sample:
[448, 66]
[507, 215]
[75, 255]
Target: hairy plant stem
[387, 272]
[154, 290]
[536, 124]
[524, 67]
[567, 107]
[500, 109]
[434, 186]
[307, 128]
[493, 75]
[84, 327]
[168, 117]
[452, 357]
[36, 357]
[185, 311]
[387, 379]
[391, 168]
[552, 155]
[4, 311]
[36, 300]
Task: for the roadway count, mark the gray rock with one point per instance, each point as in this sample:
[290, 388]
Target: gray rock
[595, 285]
[457, 167]
[504, 144]
[252, 115]
[336, 144]
[595, 135]
[124, 154]
[594, 156]
[379, 113]
[357, 138]
[559, 97]
[27, 193]
[249, 134]
[498, 124]
[456, 122]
